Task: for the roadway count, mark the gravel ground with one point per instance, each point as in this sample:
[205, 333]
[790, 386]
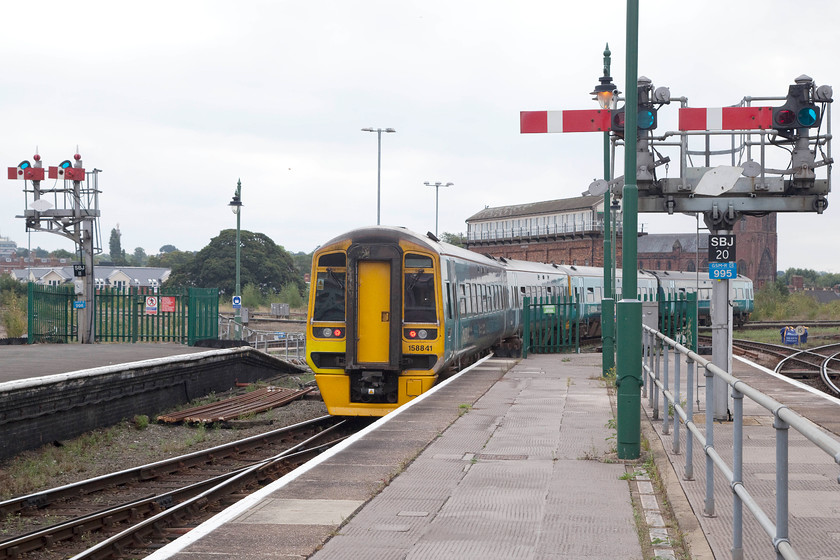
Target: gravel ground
[133, 443]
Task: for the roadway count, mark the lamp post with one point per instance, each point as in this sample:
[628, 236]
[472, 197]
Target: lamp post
[236, 207]
[437, 187]
[606, 92]
[378, 132]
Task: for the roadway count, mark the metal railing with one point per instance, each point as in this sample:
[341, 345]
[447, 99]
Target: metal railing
[524, 232]
[657, 346]
[283, 345]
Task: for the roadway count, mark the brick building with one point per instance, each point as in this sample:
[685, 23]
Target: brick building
[570, 231]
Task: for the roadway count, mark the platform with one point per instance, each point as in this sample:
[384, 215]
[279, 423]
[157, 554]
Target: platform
[814, 493]
[498, 463]
[36, 360]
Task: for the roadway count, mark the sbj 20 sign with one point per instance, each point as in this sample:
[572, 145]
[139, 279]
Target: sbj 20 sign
[721, 248]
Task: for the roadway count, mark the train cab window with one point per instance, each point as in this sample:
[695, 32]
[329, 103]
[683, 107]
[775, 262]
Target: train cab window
[335, 260]
[419, 294]
[590, 295]
[329, 296]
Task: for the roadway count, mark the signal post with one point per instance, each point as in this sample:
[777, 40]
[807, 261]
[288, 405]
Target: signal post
[722, 194]
[73, 213]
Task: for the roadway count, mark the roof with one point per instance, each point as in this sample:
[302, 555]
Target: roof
[664, 242]
[536, 208]
[142, 274]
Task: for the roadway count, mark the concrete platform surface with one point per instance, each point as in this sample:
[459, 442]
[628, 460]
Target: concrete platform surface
[517, 476]
[500, 463]
[35, 360]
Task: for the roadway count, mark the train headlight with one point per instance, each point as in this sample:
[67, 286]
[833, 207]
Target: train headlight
[329, 332]
[422, 334]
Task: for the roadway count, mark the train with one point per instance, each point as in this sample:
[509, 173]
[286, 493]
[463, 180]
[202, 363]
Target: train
[391, 310]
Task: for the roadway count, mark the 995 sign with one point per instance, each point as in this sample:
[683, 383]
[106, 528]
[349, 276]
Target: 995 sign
[723, 271]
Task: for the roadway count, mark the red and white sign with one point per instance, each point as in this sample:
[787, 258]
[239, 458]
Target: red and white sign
[726, 118]
[151, 305]
[587, 120]
[167, 304]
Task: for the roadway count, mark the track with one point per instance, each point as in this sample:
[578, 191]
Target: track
[137, 507]
[812, 366]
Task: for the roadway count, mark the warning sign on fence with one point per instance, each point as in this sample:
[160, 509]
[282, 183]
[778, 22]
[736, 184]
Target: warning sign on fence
[167, 304]
[151, 305]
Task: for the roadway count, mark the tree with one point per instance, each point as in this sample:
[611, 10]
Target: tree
[458, 239]
[115, 248]
[263, 263]
[303, 261]
[173, 260]
[62, 254]
[168, 249]
[139, 258]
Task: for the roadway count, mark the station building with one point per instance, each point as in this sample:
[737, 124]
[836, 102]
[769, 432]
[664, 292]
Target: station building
[571, 231]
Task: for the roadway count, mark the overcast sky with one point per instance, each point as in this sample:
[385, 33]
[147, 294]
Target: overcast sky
[174, 101]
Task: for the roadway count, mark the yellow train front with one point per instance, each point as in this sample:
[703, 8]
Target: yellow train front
[375, 331]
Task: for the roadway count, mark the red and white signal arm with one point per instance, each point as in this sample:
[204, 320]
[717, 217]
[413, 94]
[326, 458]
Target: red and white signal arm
[26, 172]
[586, 120]
[726, 118]
[67, 174]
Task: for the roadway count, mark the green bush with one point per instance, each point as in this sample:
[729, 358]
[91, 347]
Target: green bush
[13, 314]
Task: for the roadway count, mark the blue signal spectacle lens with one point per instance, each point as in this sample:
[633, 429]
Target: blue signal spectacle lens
[807, 116]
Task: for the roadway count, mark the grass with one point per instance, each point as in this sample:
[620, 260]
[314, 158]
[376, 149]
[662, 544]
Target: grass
[816, 336]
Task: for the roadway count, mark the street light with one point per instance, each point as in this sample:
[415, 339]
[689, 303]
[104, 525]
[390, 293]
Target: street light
[437, 186]
[235, 207]
[605, 93]
[378, 132]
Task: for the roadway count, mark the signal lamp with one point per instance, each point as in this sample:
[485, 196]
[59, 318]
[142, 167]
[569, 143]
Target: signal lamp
[807, 116]
[65, 164]
[24, 164]
[646, 118]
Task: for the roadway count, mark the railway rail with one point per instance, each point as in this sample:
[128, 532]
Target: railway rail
[137, 506]
[818, 367]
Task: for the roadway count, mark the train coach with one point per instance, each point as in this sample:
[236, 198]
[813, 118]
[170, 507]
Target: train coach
[390, 310]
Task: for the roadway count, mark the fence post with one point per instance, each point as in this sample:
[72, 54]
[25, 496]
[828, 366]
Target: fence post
[689, 439]
[781, 481]
[526, 325]
[737, 474]
[709, 509]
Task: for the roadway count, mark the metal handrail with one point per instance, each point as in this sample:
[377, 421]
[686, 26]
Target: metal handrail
[784, 418]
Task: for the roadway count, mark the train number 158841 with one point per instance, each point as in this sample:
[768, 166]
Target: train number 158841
[419, 347]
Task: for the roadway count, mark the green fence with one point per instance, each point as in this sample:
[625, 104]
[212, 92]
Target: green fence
[678, 319]
[550, 325]
[51, 317]
[133, 314]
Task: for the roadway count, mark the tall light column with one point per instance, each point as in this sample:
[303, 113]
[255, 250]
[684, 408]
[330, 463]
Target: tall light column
[437, 187]
[378, 132]
[606, 92]
[236, 207]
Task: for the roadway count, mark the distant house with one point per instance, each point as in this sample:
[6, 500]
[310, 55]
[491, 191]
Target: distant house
[105, 276]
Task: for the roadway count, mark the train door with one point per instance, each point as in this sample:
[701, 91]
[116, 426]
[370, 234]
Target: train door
[374, 312]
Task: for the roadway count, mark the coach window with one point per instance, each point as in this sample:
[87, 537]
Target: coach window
[329, 288]
[419, 301]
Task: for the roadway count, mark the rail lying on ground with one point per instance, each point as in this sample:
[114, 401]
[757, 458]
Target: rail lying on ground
[148, 514]
[656, 345]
